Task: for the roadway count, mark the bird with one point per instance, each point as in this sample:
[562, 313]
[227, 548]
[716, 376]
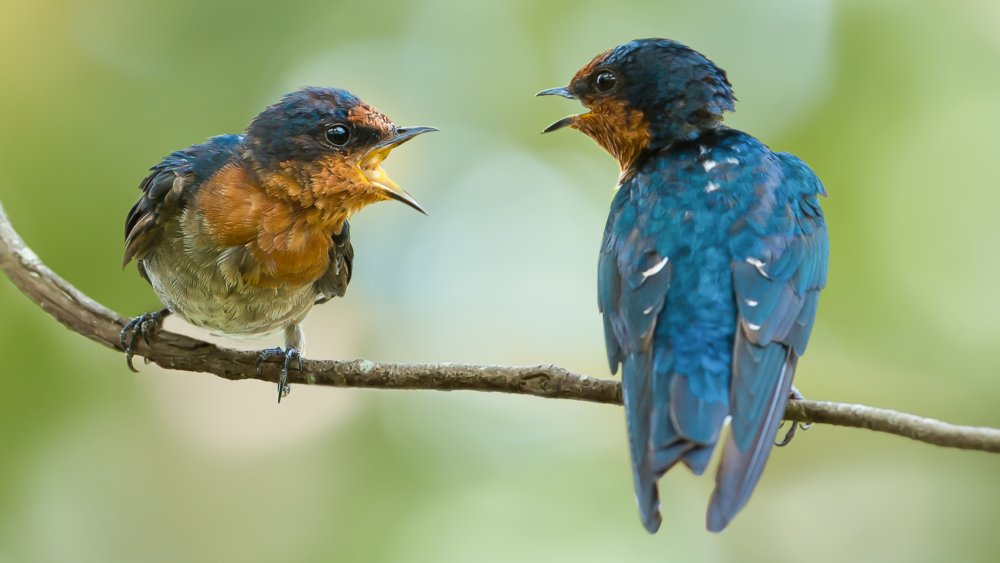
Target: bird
[710, 268]
[243, 234]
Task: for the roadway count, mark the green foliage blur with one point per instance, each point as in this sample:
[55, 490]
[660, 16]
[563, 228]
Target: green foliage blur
[893, 103]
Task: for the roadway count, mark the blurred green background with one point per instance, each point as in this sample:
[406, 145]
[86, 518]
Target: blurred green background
[894, 104]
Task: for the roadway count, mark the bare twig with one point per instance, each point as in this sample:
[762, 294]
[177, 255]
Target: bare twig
[83, 315]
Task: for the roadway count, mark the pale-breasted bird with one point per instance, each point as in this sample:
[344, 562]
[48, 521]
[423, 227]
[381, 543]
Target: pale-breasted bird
[243, 234]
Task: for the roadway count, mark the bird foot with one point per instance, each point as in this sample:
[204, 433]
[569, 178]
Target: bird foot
[144, 326]
[288, 354]
[795, 395]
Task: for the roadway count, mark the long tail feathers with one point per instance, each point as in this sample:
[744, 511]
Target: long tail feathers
[637, 381]
[660, 434]
[697, 459]
[740, 469]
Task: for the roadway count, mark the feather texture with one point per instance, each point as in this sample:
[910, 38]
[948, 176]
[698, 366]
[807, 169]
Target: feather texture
[713, 257]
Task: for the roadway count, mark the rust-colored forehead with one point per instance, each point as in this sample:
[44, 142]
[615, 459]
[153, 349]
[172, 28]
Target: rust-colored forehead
[365, 116]
[311, 108]
[587, 70]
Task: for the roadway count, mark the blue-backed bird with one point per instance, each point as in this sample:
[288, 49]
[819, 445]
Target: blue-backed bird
[243, 234]
[713, 257]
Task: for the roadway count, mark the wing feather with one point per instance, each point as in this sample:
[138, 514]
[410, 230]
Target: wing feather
[169, 186]
[777, 291]
[334, 281]
[633, 280]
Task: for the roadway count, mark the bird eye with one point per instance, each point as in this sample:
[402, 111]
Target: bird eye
[338, 135]
[605, 81]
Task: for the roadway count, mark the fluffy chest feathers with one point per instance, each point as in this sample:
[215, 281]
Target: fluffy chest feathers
[262, 240]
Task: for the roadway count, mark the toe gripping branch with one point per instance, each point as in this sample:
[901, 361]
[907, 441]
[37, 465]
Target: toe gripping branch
[795, 395]
[288, 354]
[144, 326]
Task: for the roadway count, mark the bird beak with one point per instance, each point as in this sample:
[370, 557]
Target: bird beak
[566, 121]
[371, 165]
[563, 91]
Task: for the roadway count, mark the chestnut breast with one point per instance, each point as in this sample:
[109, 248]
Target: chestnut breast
[238, 260]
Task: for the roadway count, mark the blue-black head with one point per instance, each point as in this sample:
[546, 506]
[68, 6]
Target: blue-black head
[316, 131]
[644, 95]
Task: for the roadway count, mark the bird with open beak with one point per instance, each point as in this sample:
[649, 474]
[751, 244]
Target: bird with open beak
[714, 255]
[243, 234]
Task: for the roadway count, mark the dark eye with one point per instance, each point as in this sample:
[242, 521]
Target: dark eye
[338, 135]
[605, 81]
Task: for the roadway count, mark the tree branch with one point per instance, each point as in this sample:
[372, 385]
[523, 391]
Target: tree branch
[85, 316]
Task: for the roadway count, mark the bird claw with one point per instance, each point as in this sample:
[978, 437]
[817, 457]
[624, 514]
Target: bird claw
[288, 354]
[794, 395]
[144, 326]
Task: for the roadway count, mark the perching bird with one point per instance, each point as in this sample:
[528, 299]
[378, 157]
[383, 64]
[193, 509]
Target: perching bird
[713, 258]
[243, 234]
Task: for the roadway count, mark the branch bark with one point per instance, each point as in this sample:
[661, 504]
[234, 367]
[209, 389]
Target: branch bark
[85, 316]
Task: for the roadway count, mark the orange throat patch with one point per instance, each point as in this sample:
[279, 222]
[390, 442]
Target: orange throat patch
[285, 227]
[621, 131]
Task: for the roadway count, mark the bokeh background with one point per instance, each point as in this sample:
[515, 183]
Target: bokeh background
[893, 103]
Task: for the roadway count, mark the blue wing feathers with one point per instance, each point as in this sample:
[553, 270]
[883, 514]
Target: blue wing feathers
[696, 418]
[609, 292]
[638, 398]
[708, 283]
[755, 372]
[740, 468]
[697, 458]
[169, 185]
[664, 434]
[777, 303]
[798, 336]
[633, 283]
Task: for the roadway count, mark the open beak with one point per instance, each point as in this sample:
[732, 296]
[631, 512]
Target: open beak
[371, 165]
[566, 121]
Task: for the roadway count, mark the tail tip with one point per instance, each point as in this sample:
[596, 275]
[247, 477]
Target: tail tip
[649, 508]
[717, 518]
[651, 521]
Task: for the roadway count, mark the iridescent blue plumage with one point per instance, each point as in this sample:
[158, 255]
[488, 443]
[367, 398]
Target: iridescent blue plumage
[713, 257]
